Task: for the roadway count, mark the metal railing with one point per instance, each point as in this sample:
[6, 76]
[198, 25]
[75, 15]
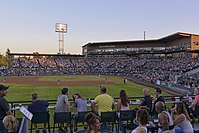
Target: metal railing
[134, 100]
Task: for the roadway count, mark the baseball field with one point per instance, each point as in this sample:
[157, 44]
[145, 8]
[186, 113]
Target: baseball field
[49, 87]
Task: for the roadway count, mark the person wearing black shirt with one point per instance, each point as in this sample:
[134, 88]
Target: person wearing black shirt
[147, 102]
[38, 106]
[156, 98]
[4, 107]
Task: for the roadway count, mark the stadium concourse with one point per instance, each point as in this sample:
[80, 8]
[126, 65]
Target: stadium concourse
[153, 70]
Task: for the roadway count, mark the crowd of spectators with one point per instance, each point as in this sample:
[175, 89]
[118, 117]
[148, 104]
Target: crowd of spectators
[149, 69]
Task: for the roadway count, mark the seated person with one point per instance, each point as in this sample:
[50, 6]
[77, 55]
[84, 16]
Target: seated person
[93, 123]
[182, 120]
[63, 105]
[80, 103]
[195, 103]
[123, 101]
[142, 117]
[156, 98]
[165, 123]
[104, 102]
[38, 106]
[11, 123]
[147, 102]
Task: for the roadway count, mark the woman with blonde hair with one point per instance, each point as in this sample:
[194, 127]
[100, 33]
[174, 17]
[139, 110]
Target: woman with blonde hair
[11, 123]
[93, 123]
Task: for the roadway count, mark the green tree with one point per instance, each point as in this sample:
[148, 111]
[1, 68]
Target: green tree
[3, 60]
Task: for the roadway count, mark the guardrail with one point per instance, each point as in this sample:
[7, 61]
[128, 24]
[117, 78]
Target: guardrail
[135, 100]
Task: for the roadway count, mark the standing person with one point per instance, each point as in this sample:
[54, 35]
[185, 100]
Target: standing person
[123, 101]
[104, 101]
[125, 81]
[38, 106]
[142, 117]
[4, 107]
[182, 120]
[106, 80]
[147, 102]
[58, 82]
[63, 105]
[93, 122]
[156, 98]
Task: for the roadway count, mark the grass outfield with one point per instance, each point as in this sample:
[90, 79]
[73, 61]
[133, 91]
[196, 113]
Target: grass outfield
[23, 91]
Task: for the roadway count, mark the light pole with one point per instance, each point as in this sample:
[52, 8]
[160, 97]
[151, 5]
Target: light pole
[61, 29]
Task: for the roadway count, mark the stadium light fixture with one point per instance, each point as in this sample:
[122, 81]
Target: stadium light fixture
[61, 29]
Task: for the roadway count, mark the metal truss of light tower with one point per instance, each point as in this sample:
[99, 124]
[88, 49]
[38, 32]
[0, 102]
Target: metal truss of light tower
[61, 29]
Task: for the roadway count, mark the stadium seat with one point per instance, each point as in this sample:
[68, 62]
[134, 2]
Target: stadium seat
[80, 118]
[108, 120]
[63, 118]
[126, 119]
[40, 117]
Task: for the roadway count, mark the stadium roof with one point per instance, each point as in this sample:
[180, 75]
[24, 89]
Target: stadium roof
[35, 54]
[175, 36]
[168, 38]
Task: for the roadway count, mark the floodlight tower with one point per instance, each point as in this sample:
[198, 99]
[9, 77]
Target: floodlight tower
[61, 29]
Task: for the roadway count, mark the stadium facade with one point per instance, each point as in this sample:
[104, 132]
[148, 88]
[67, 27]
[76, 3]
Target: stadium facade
[179, 43]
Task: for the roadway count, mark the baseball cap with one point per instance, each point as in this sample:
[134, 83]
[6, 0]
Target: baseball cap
[2, 87]
[103, 88]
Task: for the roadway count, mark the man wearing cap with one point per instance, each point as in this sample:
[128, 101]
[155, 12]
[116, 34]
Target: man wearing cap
[104, 101]
[4, 107]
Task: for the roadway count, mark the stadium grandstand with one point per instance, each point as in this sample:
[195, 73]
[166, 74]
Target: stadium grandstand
[171, 62]
[175, 44]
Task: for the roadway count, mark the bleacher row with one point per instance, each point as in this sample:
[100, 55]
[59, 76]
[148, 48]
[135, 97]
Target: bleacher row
[168, 69]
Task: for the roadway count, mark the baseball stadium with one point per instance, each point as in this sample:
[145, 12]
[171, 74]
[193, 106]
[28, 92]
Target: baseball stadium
[170, 63]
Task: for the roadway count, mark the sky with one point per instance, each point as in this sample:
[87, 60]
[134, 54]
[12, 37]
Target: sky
[28, 26]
